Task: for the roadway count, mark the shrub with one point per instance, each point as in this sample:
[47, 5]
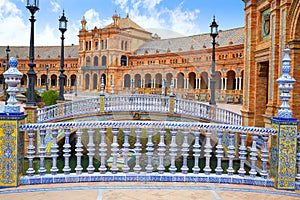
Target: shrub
[49, 97]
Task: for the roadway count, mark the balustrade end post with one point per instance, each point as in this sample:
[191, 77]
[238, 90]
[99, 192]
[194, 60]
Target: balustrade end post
[11, 150]
[102, 103]
[172, 104]
[283, 153]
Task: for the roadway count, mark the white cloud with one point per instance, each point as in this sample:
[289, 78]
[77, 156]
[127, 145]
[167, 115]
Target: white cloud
[179, 20]
[93, 19]
[11, 19]
[55, 6]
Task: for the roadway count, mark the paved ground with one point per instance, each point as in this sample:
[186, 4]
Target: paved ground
[145, 191]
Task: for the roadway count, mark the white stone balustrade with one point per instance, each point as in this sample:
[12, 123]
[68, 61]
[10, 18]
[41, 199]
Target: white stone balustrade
[153, 160]
[138, 103]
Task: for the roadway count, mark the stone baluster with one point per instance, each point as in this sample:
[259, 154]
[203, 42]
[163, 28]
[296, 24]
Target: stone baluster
[253, 155]
[149, 167]
[138, 149]
[114, 151]
[67, 150]
[91, 151]
[54, 152]
[231, 151]
[264, 157]
[185, 150]
[102, 150]
[161, 151]
[196, 150]
[173, 152]
[42, 152]
[79, 151]
[243, 153]
[30, 154]
[219, 152]
[207, 155]
[125, 151]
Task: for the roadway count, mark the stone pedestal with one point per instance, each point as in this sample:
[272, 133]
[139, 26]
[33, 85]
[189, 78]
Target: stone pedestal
[283, 153]
[11, 149]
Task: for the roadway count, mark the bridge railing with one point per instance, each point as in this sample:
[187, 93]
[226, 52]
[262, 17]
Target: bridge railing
[148, 151]
[192, 108]
[221, 115]
[138, 103]
[68, 109]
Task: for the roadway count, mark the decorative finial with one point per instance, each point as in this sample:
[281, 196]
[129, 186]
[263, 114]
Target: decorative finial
[285, 85]
[12, 79]
[102, 86]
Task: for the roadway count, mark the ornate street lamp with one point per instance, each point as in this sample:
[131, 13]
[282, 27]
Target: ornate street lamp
[213, 34]
[32, 6]
[63, 28]
[47, 68]
[3, 82]
[6, 68]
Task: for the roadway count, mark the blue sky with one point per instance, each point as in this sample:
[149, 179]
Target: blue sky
[183, 17]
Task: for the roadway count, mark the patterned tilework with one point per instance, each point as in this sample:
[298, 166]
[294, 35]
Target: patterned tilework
[283, 155]
[144, 177]
[11, 153]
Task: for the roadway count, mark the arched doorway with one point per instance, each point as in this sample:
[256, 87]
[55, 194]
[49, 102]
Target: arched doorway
[87, 82]
[43, 79]
[169, 79]
[127, 81]
[137, 81]
[73, 80]
[95, 81]
[148, 81]
[53, 81]
[231, 80]
[103, 77]
[158, 81]
[180, 80]
[192, 80]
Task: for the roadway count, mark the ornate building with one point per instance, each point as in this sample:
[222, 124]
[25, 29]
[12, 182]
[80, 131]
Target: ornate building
[134, 60]
[270, 25]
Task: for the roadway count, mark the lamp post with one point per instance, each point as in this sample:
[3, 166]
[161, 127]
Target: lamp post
[3, 82]
[32, 6]
[7, 67]
[47, 68]
[213, 34]
[63, 28]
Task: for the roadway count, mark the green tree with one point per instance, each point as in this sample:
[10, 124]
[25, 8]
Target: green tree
[49, 97]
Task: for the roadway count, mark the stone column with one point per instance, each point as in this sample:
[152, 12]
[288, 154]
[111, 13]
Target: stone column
[284, 144]
[240, 83]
